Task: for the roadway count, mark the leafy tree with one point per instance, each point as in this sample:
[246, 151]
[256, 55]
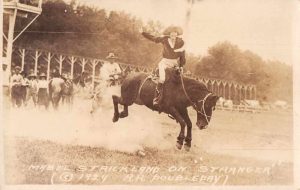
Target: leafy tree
[88, 31]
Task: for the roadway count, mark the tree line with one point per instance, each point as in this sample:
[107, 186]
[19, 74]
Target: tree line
[93, 32]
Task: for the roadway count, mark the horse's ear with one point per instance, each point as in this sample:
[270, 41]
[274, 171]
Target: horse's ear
[214, 99]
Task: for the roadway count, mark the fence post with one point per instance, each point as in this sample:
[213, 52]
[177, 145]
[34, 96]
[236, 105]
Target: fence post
[22, 54]
[36, 59]
[60, 62]
[94, 63]
[72, 62]
[48, 59]
[83, 63]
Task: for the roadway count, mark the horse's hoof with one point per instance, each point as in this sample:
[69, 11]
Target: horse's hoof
[187, 148]
[115, 118]
[178, 146]
[123, 114]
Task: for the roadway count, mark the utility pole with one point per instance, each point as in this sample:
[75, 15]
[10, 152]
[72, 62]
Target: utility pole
[15, 9]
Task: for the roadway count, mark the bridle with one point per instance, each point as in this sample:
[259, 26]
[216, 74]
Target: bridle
[194, 104]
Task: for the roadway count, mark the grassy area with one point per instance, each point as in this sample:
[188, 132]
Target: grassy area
[257, 145]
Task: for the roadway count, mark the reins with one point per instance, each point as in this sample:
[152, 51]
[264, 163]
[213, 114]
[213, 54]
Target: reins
[194, 104]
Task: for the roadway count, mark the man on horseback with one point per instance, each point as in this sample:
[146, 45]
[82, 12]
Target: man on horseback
[110, 71]
[173, 56]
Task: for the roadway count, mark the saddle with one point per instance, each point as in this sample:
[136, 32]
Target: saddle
[173, 73]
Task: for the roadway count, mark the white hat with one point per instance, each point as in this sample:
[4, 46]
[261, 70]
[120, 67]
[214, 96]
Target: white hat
[111, 56]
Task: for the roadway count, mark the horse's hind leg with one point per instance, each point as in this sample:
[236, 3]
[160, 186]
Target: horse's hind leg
[119, 100]
[116, 108]
[124, 113]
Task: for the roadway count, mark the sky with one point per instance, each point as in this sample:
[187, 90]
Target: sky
[266, 27]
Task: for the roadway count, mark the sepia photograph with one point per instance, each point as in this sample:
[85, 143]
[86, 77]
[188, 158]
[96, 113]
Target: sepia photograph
[128, 94]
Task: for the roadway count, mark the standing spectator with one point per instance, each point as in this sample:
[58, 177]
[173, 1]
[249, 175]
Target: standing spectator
[16, 87]
[43, 91]
[33, 88]
[24, 88]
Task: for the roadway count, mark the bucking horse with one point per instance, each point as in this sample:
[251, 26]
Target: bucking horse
[60, 88]
[179, 93]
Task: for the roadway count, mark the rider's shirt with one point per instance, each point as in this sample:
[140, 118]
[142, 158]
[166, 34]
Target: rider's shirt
[16, 79]
[170, 51]
[109, 69]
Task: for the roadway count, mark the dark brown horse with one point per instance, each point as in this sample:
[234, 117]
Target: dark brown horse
[179, 93]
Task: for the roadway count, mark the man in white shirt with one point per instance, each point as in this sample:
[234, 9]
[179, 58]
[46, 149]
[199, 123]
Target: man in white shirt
[110, 70]
[17, 78]
[109, 73]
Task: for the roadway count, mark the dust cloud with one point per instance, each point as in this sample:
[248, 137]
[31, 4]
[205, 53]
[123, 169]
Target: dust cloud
[77, 126]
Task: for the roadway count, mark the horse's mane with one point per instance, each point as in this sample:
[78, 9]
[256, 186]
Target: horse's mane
[194, 86]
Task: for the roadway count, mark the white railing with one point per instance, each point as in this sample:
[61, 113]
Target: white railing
[251, 109]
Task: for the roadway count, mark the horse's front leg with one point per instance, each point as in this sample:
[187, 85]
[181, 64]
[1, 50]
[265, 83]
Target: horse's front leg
[176, 114]
[188, 138]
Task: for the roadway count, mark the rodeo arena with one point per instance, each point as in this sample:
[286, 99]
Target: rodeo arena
[73, 110]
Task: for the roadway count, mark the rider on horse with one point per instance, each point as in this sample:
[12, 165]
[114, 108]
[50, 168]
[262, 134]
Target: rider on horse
[173, 56]
[110, 71]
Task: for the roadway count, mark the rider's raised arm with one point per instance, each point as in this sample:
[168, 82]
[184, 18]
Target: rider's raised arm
[181, 52]
[152, 38]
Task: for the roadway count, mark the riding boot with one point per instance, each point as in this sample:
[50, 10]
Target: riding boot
[158, 95]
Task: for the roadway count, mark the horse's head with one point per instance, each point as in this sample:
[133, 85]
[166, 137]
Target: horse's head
[204, 108]
[80, 79]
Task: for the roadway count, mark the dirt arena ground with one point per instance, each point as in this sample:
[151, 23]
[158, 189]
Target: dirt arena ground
[73, 147]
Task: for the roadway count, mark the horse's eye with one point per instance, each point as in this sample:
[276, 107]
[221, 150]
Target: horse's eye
[214, 108]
